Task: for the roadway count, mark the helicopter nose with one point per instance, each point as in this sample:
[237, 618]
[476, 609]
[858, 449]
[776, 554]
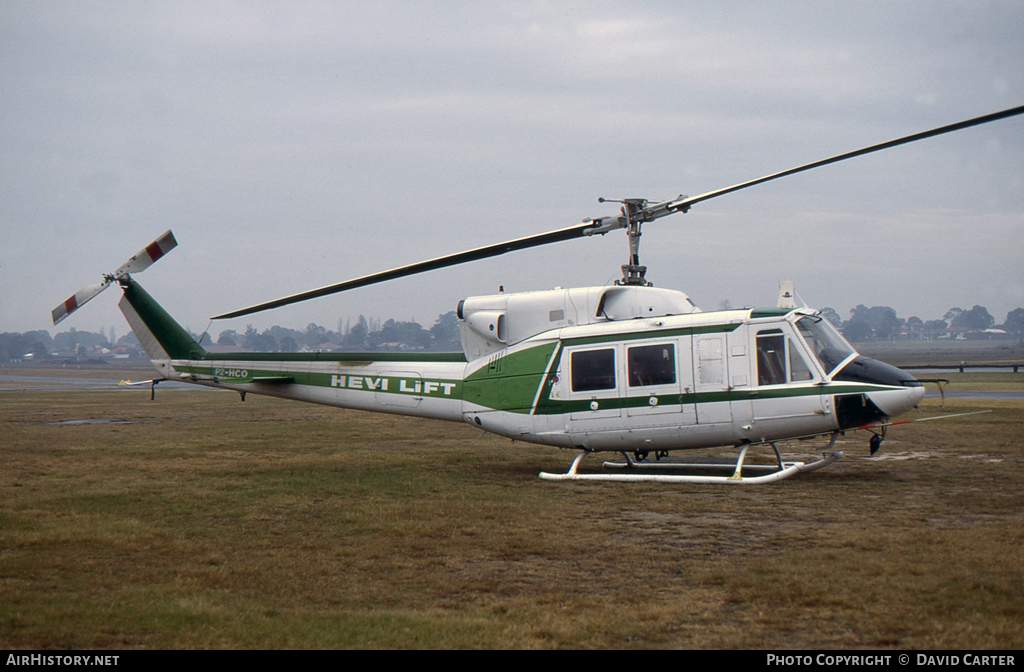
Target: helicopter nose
[896, 402]
[897, 392]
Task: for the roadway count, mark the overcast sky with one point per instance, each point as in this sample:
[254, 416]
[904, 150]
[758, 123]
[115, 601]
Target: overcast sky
[291, 145]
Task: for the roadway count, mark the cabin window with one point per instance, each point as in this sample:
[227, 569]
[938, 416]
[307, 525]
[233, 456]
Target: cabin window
[652, 365]
[593, 370]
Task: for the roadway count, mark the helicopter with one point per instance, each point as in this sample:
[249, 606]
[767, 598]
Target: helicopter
[624, 368]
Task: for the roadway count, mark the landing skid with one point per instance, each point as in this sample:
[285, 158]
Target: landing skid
[776, 472]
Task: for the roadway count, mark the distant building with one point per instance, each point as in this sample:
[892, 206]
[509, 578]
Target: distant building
[990, 335]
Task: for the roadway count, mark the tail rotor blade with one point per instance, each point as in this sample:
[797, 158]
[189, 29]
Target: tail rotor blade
[79, 299]
[138, 263]
[149, 254]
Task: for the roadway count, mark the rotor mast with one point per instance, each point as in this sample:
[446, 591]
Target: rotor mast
[635, 212]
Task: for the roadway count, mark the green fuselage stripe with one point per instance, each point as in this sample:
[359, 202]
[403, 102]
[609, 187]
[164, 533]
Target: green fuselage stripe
[354, 357]
[426, 386]
[556, 407]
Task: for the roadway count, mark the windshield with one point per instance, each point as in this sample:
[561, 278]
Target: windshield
[825, 342]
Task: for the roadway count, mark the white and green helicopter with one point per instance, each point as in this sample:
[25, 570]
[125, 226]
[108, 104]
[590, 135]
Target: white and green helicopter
[626, 368]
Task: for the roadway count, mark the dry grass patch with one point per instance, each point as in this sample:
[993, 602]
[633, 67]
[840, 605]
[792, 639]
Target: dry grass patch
[206, 522]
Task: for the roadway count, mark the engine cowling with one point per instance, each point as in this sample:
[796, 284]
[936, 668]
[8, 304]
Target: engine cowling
[489, 323]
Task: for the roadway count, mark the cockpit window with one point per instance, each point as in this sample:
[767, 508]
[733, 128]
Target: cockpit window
[828, 346]
[798, 369]
[771, 357]
[774, 350]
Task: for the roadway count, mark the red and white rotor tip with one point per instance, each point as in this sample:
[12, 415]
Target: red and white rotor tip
[138, 263]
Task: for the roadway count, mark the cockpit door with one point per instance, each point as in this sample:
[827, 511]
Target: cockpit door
[787, 398]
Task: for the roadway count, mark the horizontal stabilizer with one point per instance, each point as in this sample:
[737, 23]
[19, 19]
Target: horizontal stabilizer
[277, 380]
[136, 383]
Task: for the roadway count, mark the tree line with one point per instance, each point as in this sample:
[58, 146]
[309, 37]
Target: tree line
[881, 323]
[363, 335]
[864, 324]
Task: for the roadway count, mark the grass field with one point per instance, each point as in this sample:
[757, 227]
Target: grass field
[200, 521]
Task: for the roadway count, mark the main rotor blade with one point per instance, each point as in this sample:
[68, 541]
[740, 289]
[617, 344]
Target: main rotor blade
[597, 226]
[557, 236]
[685, 203]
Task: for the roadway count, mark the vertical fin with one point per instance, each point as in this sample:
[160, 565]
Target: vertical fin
[160, 336]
